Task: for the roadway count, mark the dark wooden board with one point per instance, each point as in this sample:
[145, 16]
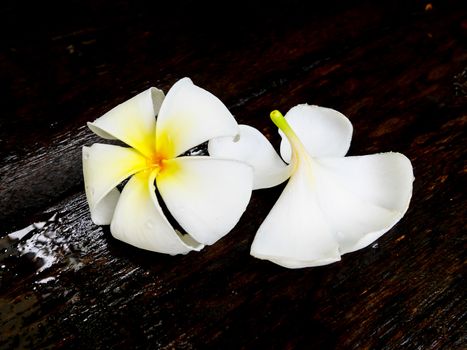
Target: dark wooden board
[398, 70]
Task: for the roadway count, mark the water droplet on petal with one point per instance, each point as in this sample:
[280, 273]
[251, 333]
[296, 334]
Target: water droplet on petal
[149, 224]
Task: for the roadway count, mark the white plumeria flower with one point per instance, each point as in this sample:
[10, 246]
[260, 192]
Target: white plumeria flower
[332, 204]
[206, 195]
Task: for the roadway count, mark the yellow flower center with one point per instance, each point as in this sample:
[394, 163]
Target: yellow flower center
[156, 161]
[160, 158]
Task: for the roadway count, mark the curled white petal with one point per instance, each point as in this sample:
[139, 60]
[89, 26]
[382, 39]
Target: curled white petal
[190, 116]
[253, 148]
[363, 197]
[206, 196]
[104, 167]
[102, 211]
[133, 121]
[138, 220]
[295, 233]
[323, 131]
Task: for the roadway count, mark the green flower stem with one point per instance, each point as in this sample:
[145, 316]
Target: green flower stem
[300, 155]
[279, 120]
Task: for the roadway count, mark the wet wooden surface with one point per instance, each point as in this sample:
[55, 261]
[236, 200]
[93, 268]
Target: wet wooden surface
[398, 70]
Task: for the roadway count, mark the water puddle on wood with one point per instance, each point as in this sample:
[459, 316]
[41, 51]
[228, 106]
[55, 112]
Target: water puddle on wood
[39, 246]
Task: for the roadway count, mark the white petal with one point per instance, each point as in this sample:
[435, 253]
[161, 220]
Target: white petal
[295, 233]
[104, 167]
[206, 196]
[102, 212]
[363, 197]
[139, 221]
[323, 131]
[190, 116]
[133, 121]
[253, 148]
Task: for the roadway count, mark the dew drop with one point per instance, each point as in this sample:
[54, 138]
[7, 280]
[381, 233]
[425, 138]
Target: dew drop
[149, 224]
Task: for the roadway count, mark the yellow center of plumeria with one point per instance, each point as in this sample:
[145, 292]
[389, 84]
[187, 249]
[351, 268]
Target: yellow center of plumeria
[159, 159]
[156, 161]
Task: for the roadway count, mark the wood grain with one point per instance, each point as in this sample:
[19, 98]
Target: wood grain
[398, 70]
